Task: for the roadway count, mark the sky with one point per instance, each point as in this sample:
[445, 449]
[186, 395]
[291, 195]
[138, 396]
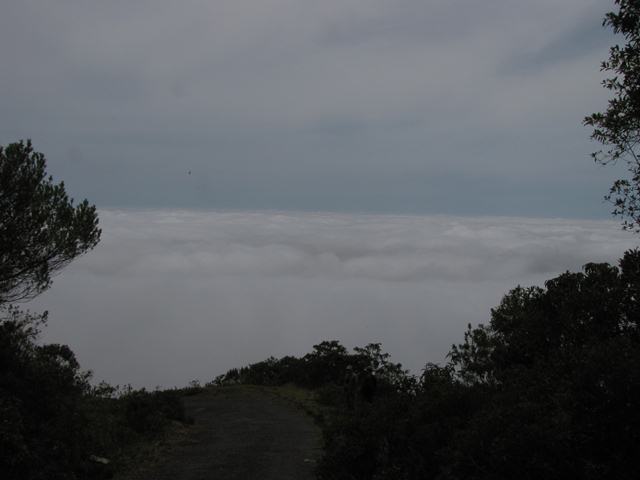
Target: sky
[274, 173]
[389, 106]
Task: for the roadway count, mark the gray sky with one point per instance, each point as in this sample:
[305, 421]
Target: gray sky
[443, 106]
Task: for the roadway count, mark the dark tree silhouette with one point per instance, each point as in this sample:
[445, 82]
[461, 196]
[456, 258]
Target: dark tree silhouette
[41, 230]
[618, 128]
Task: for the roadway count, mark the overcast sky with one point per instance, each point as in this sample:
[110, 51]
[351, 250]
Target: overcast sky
[436, 106]
[443, 139]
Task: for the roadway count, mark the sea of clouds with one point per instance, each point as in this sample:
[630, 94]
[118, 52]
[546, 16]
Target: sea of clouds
[169, 296]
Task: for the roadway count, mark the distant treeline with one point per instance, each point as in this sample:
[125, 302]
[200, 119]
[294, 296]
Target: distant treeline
[550, 388]
[328, 364]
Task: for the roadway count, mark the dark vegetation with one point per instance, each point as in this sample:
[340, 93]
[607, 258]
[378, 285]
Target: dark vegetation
[550, 388]
[618, 127]
[41, 230]
[53, 423]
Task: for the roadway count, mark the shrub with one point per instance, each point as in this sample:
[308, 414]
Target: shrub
[44, 429]
[550, 388]
[53, 421]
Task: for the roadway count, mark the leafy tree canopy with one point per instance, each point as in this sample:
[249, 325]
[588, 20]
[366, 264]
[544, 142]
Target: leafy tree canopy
[549, 388]
[41, 230]
[556, 372]
[618, 128]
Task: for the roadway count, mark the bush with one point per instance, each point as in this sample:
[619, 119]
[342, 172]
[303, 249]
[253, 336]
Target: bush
[53, 421]
[550, 388]
[41, 390]
[147, 413]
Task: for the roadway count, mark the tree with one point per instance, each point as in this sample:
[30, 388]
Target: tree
[549, 388]
[41, 230]
[561, 370]
[618, 128]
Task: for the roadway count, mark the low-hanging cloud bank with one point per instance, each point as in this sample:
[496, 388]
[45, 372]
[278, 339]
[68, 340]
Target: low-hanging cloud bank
[169, 296]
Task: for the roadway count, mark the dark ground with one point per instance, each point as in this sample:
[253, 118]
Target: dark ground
[240, 433]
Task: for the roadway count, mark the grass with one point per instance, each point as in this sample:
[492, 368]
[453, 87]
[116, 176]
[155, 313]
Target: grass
[303, 398]
[139, 458]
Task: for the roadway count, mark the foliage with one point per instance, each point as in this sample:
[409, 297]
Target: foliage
[618, 128]
[562, 366]
[550, 388]
[373, 360]
[40, 391]
[41, 230]
[326, 366]
[54, 421]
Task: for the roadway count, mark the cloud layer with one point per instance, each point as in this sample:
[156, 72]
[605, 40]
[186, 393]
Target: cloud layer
[170, 295]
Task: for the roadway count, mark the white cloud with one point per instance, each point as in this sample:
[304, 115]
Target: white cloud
[173, 295]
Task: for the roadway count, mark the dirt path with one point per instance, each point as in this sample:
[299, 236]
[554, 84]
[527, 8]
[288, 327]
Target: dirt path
[242, 433]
